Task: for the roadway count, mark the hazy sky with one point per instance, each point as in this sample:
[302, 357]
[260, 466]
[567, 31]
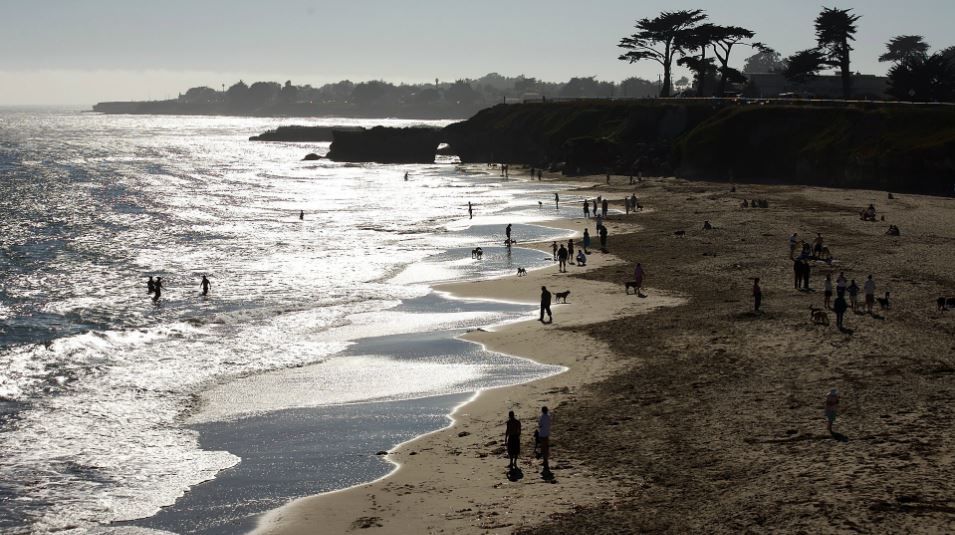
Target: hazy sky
[81, 52]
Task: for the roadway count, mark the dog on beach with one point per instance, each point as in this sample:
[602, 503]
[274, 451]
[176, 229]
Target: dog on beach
[818, 316]
[631, 284]
[477, 252]
[680, 233]
[884, 303]
[945, 303]
[561, 295]
[940, 304]
[521, 272]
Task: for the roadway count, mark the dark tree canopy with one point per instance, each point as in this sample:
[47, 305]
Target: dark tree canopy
[766, 60]
[724, 39]
[903, 47]
[835, 28]
[804, 65]
[697, 40]
[923, 79]
[656, 40]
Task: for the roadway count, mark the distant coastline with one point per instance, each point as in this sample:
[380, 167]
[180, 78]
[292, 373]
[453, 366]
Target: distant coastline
[176, 107]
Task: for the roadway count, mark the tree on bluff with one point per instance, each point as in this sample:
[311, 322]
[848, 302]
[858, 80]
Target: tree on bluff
[764, 61]
[904, 47]
[923, 79]
[834, 29]
[657, 40]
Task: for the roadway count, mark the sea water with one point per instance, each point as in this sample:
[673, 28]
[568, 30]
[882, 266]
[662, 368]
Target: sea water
[98, 384]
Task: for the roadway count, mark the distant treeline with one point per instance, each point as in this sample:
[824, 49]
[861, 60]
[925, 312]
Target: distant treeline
[458, 99]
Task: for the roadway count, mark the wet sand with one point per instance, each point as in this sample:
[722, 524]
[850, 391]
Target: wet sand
[704, 416]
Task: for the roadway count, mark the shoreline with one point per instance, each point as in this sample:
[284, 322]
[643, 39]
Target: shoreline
[464, 493]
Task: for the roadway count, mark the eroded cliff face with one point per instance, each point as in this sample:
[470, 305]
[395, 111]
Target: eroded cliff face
[879, 146]
[385, 145]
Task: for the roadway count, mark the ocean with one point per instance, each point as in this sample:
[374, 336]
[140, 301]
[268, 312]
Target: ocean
[112, 407]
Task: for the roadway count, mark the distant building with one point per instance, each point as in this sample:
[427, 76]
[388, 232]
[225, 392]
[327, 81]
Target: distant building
[771, 85]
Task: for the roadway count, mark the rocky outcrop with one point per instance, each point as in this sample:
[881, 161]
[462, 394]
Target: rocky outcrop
[386, 145]
[879, 146]
[296, 133]
[311, 157]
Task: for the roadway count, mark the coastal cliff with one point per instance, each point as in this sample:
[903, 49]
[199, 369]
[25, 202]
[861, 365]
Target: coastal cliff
[385, 145]
[899, 147]
[299, 134]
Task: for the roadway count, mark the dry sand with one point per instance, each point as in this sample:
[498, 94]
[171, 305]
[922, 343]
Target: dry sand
[704, 416]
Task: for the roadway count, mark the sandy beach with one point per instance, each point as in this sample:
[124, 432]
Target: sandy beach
[687, 411]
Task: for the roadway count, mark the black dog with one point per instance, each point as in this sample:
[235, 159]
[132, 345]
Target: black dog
[680, 233]
[521, 272]
[561, 295]
[940, 303]
[631, 284]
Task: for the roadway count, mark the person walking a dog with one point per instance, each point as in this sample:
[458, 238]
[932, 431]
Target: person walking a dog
[545, 305]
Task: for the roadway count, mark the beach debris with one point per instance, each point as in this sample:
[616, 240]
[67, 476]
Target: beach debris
[365, 522]
[463, 434]
[382, 452]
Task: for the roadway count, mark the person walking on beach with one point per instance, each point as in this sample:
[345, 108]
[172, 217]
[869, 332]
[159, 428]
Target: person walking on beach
[545, 305]
[150, 286]
[869, 289]
[626, 204]
[757, 295]
[827, 287]
[853, 295]
[157, 290]
[553, 247]
[301, 215]
[470, 211]
[603, 208]
[507, 233]
[205, 284]
[570, 250]
[556, 201]
[562, 259]
[586, 241]
[841, 284]
[598, 219]
[586, 209]
[539, 175]
[406, 176]
[638, 275]
[797, 273]
[817, 245]
[832, 409]
[840, 307]
[633, 202]
[603, 239]
[512, 440]
[543, 434]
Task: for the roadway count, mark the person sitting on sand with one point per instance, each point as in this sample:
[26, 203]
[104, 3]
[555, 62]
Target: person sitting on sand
[707, 225]
[893, 231]
[581, 258]
[869, 213]
[832, 408]
[512, 440]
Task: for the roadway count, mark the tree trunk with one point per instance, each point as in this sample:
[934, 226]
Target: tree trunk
[846, 72]
[665, 90]
[701, 74]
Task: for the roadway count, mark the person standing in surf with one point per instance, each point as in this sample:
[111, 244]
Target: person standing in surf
[150, 286]
[205, 284]
[158, 290]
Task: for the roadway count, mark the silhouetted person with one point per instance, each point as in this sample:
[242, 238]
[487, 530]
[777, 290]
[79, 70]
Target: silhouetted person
[586, 209]
[570, 250]
[869, 291]
[832, 408]
[507, 232]
[205, 284]
[562, 259]
[545, 304]
[757, 295]
[827, 288]
[406, 175]
[603, 239]
[158, 289]
[150, 286]
[586, 241]
[470, 211]
[512, 439]
[806, 273]
[543, 433]
[638, 274]
[556, 201]
[539, 175]
[301, 215]
[603, 208]
[633, 202]
[553, 247]
[839, 306]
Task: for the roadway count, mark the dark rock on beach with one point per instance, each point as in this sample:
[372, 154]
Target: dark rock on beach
[296, 133]
[386, 145]
[311, 156]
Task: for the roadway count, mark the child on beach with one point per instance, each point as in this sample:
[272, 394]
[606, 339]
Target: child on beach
[832, 407]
